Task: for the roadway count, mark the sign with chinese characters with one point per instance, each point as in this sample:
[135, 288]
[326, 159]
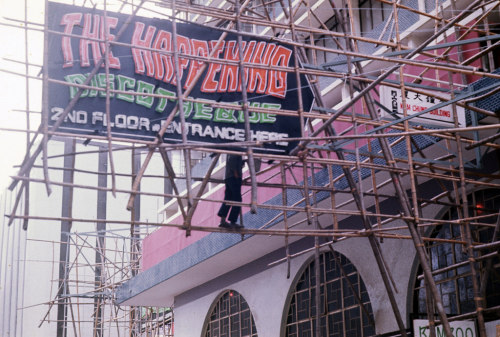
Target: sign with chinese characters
[144, 86]
[416, 103]
[458, 328]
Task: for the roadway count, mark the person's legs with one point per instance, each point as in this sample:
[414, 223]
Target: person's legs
[235, 196]
[224, 208]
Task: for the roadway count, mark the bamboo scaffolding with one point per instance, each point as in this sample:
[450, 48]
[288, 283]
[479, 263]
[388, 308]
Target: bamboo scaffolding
[352, 139]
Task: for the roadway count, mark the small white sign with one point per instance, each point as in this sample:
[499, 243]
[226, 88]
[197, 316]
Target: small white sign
[493, 328]
[391, 98]
[458, 329]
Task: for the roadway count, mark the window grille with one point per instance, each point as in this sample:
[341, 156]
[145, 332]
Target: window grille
[230, 317]
[341, 307]
[455, 284]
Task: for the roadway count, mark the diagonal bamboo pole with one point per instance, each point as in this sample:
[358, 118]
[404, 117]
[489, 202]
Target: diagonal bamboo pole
[169, 119]
[382, 77]
[201, 191]
[27, 164]
[180, 107]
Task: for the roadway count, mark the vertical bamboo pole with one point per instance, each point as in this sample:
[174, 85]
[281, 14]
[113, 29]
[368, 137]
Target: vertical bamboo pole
[66, 225]
[478, 300]
[244, 97]
[45, 101]
[284, 200]
[180, 108]
[27, 164]
[317, 257]
[169, 119]
[108, 103]
[28, 112]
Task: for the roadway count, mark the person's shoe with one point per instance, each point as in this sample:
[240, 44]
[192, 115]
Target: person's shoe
[235, 225]
[224, 224]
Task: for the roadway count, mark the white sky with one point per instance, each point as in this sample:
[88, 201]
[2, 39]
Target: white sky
[12, 88]
[13, 101]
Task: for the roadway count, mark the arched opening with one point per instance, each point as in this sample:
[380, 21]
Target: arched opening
[230, 316]
[345, 304]
[449, 261]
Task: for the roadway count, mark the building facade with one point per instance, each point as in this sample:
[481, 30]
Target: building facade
[258, 283]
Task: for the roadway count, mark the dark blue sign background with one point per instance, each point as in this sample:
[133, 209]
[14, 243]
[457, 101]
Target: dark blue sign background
[139, 117]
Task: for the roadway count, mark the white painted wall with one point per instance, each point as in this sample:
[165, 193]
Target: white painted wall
[266, 292]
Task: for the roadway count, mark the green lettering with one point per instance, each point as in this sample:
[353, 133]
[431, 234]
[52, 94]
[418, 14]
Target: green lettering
[148, 88]
[267, 117]
[241, 116]
[162, 104]
[253, 117]
[125, 83]
[421, 331]
[101, 79]
[202, 111]
[224, 115]
[76, 79]
[93, 83]
[187, 108]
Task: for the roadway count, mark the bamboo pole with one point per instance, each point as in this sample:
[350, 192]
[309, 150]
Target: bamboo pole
[244, 100]
[174, 111]
[108, 101]
[29, 162]
[315, 151]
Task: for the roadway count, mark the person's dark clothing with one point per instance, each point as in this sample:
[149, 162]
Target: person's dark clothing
[233, 179]
[234, 166]
[232, 193]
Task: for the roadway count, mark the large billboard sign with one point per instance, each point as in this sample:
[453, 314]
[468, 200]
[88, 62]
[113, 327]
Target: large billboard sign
[417, 103]
[143, 81]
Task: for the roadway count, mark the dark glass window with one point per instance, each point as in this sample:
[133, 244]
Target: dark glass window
[371, 14]
[491, 60]
[345, 304]
[455, 284]
[327, 41]
[230, 317]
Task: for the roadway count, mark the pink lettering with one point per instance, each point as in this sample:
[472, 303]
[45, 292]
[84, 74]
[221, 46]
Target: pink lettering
[164, 68]
[69, 21]
[209, 83]
[259, 75]
[143, 59]
[278, 79]
[184, 48]
[111, 22]
[199, 48]
[90, 31]
[229, 73]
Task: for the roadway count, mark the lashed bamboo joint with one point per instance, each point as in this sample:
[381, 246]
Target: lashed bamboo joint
[429, 144]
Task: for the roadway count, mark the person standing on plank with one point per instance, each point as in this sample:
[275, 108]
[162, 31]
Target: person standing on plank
[232, 181]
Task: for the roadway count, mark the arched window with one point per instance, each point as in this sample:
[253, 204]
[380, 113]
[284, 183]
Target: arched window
[455, 283]
[230, 316]
[345, 304]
